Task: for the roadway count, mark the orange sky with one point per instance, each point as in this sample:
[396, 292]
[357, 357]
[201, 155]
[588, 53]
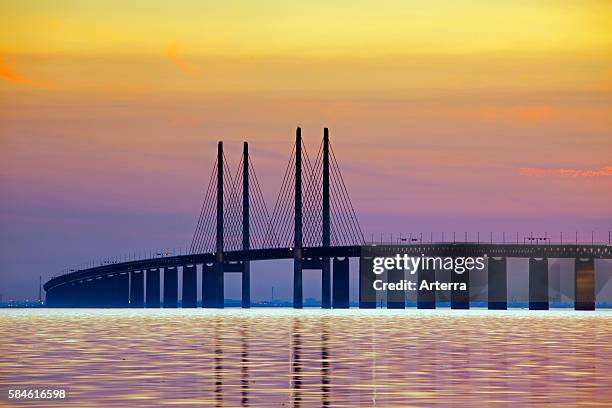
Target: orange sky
[453, 115]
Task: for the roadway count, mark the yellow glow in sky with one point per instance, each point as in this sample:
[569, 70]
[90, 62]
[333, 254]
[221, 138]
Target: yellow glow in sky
[325, 28]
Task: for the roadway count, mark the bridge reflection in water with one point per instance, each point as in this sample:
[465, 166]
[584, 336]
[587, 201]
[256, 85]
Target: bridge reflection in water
[314, 224]
[283, 357]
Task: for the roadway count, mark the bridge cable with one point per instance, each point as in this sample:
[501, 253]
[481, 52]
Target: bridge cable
[195, 243]
[348, 198]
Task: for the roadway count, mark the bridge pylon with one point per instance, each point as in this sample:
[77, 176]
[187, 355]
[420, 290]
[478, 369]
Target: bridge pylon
[297, 226]
[246, 236]
[326, 302]
[218, 265]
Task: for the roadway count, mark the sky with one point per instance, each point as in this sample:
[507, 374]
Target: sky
[478, 116]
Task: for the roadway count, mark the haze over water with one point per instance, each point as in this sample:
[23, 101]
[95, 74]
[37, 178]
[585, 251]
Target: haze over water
[282, 357]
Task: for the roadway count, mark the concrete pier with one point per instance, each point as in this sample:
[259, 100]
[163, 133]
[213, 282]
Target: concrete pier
[426, 299]
[209, 289]
[498, 284]
[153, 288]
[171, 287]
[396, 299]
[326, 284]
[137, 289]
[106, 289]
[538, 284]
[122, 290]
[584, 284]
[84, 293]
[190, 286]
[97, 292]
[367, 294]
[340, 298]
[460, 299]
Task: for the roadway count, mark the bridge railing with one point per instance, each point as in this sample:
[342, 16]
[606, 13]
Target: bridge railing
[126, 257]
[475, 237]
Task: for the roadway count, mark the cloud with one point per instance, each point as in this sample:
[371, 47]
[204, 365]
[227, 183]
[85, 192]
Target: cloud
[576, 173]
[186, 67]
[8, 73]
[531, 113]
[524, 114]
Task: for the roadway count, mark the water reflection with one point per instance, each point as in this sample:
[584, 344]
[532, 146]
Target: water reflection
[324, 364]
[244, 364]
[310, 357]
[218, 344]
[296, 363]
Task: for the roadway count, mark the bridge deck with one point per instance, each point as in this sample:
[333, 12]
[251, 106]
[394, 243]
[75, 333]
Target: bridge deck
[429, 249]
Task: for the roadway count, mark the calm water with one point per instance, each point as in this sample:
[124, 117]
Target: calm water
[281, 357]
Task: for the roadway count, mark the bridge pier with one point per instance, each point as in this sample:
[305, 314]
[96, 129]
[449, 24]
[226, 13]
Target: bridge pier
[80, 295]
[341, 283]
[76, 295]
[69, 295]
[190, 286]
[246, 284]
[122, 289]
[137, 289]
[84, 295]
[66, 294]
[367, 294]
[60, 296]
[326, 289]
[426, 299]
[209, 288]
[92, 293]
[298, 301]
[153, 288]
[170, 287]
[87, 293]
[584, 284]
[460, 299]
[94, 289]
[498, 284]
[538, 284]
[219, 284]
[106, 289]
[396, 299]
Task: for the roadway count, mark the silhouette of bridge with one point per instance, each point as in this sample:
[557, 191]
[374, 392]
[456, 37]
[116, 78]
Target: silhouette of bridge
[314, 223]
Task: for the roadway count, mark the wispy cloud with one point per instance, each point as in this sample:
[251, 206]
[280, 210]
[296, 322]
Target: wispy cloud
[525, 114]
[533, 171]
[8, 73]
[186, 67]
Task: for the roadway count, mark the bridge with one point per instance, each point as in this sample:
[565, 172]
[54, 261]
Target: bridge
[314, 224]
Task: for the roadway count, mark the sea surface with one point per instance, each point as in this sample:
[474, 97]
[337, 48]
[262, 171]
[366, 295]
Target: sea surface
[282, 357]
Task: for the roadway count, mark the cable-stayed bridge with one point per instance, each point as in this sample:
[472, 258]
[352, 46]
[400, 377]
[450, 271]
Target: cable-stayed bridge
[312, 222]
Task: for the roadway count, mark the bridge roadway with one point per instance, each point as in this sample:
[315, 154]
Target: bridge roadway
[312, 259]
[427, 249]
